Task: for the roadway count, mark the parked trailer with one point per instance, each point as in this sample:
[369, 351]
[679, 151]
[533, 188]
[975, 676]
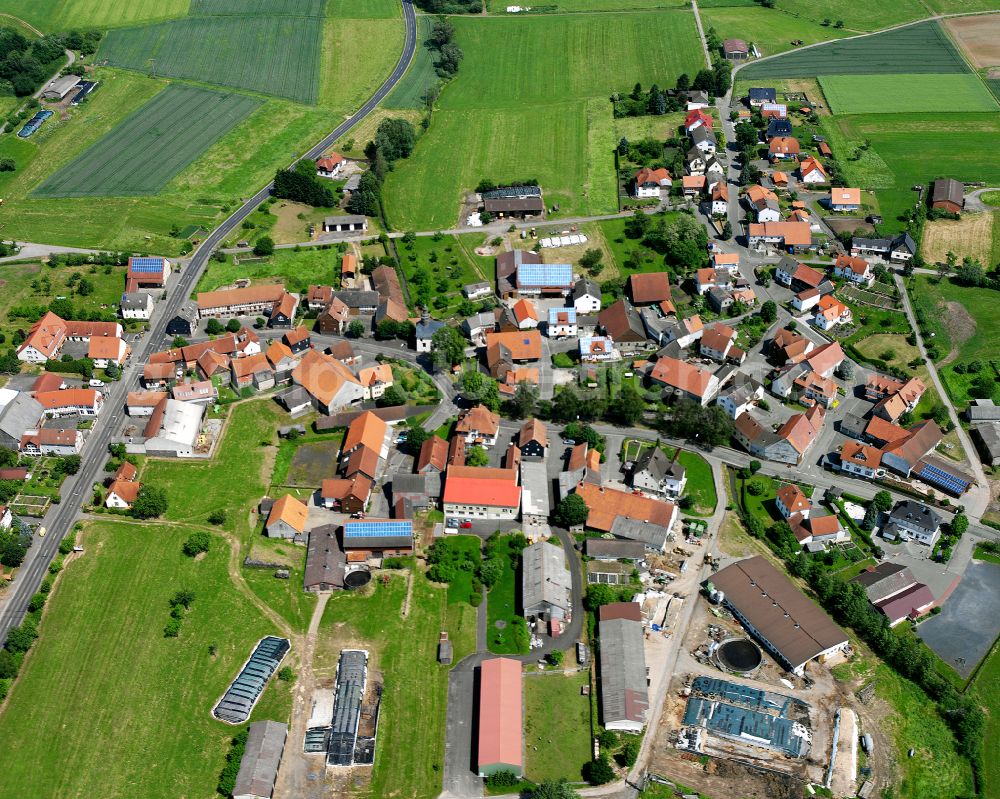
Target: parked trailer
[867, 744]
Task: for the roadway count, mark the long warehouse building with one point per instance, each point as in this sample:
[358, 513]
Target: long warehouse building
[624, 687]
[501, 717]
[789, 624]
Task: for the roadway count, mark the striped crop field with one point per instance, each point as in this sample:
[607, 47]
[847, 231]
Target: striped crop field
[260, 8]
[52, 16]
[902, 94]
[271, 55]
[140, 155]
[918, 48]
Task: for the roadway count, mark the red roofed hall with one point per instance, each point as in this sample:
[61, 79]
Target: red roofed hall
[501, 717]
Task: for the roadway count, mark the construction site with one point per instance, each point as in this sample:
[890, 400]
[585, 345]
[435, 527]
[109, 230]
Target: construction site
[737, 723]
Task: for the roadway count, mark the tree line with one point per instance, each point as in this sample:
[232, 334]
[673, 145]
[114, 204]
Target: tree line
[657, 102]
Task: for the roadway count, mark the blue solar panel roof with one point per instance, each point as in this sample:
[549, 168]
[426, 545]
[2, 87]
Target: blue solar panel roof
[373, 529]
[545, 274]
[949, 482]
[554, 315]
[146, 265]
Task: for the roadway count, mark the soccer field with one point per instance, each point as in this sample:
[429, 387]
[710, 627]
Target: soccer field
[266, 54]
[906, 94]
[916, 48]
[177, 125]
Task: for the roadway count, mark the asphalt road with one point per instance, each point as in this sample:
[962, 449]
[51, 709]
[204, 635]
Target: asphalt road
[76, 489]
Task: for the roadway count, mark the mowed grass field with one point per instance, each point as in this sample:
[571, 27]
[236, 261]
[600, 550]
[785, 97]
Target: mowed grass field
[772, 31]
[912, 149]
[105, 705]
[914, 49]
[556, 726]
[530, 100]
[883, 94]
[409, 754]
[421, 75]
[120, 163]
[986, 687]
[267, 54]
[52, 16]
[858, 15]
[500, 6]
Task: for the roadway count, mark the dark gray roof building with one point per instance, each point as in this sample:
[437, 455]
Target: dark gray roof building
[238, 701]
[885, 580]
[624, 689]
[983, 410]
[987, 438]
[325, 560]
[261, 758]
[545, 581]
[613, 549]
[20, 414]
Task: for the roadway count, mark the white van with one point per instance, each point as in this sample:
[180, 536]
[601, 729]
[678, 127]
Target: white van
[97, 383]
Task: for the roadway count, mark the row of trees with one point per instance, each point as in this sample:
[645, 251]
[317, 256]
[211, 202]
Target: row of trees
[27, 63]
[393, 140]
[301, 184]
[441, 43]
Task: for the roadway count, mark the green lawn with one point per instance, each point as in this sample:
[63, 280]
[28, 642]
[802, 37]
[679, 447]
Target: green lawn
[763, 506]
[547, 117]
[769, 29]
[124, 690]
[286, 597]
[119, 164]
[53, 16]
[983, 554]
[266, 54]
[501, 606]
[986, 687]
[983, 343]
[234, 480]
[912, 149]
[410, 751]
[569, 6]
[700, 483]
[556, 726]
[297, 270]
[906, 94]
[935, 771]
[917, 48]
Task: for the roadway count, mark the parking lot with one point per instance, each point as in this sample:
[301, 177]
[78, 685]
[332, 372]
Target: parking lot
[962, 633]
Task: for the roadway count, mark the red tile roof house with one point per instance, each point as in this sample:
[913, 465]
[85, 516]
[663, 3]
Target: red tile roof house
[854, 270]
[479, 425]
[51, 441]
[717, 340]
[648, 182]
[122, 494]
[330, 165]
[481, 493]
[251, 372]
[501, 718]
[146, 273]
[696, 119]
[685, 379]
[46, 337]
[782, 147]
[347, 496]
[81, 401]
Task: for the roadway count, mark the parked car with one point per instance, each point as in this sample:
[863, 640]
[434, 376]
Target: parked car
[466, 525]
[452, 524]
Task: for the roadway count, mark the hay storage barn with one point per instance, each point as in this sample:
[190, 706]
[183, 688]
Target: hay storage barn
[545, 581]
[623, 683]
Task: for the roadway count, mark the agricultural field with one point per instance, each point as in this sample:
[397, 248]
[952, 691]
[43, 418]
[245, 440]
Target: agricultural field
[53, 16]
[857, 15]
[886, 94]
[979, 37]
[365, 9]
[913, 49]
[119, 164]
[556, 725]
[569, 6]
[971, 236]
[357, 55]
[421, 75]
[271, 8]
[271, 55]
[402, 646]
[548, 119]
[912, 149]
[769, 29]
[130, 688]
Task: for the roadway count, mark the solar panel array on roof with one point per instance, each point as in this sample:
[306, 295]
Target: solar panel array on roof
[379, 529]
[951, 483]
[245, 690]
[545, 274]
[512, 191]
[352, 672]
[146, 266]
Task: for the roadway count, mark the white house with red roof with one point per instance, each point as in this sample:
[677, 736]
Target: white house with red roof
[330, 165]
[697, 119]
[649, 182]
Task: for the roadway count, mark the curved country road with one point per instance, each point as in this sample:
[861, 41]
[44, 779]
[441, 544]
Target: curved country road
[77, 489]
